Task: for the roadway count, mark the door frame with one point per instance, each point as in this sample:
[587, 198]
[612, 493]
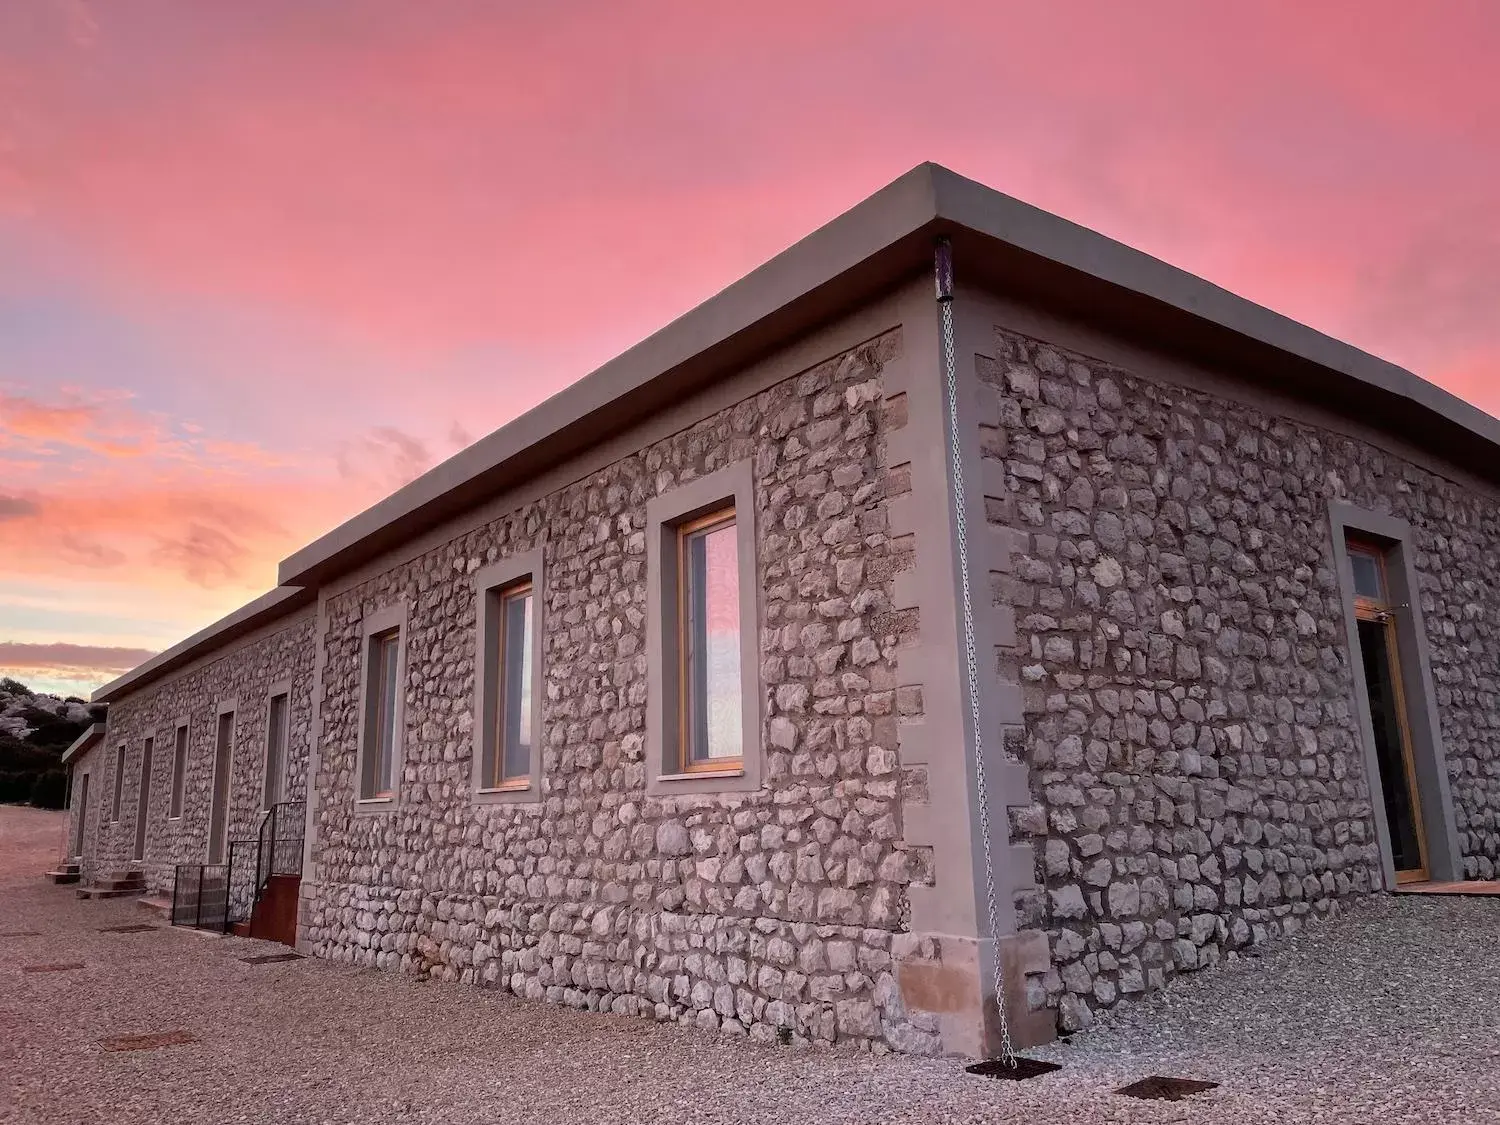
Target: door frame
[79, 839]
[143, 798]
[1413, 667]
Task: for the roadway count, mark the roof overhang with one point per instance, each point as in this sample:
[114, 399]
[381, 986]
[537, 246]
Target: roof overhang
[1000, 242]
[263, 610]
[83, 743]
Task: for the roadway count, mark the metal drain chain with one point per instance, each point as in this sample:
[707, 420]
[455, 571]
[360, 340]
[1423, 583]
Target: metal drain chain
[944, 278]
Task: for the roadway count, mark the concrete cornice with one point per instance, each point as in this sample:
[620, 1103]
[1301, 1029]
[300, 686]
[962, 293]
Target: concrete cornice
[83, 743]
[999, 243]
[264, 609]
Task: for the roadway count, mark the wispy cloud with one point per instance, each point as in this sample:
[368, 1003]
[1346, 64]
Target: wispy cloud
[17, 507]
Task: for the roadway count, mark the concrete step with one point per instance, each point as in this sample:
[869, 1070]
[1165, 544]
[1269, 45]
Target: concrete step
[160, 905]
[63, 875]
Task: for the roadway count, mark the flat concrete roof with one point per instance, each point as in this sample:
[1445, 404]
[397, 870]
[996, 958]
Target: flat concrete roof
[83, 743]
[263, 610]
[999, 242]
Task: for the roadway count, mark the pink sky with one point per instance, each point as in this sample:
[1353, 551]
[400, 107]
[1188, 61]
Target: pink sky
[259, 263]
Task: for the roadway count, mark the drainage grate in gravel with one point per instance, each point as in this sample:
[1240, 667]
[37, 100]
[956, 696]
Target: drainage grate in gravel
[1018, 1072]
[147, 1042]
[133, 928]
[52, 967]
[20, 933]
[271, 958]
[1162, 1089]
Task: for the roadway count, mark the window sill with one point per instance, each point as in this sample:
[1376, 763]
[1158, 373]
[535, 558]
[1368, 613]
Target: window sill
[520, 792]
[373, 806]
[699, 775]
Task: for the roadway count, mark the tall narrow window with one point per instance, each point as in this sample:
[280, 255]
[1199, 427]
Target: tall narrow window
[708, 621]
[179, 771]
[378, 780]
[509, 756]
[276, 732]
[114, 809]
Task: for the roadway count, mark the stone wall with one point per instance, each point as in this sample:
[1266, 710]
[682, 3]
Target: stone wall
[752, 913]
[1197, 777]
[244, 671]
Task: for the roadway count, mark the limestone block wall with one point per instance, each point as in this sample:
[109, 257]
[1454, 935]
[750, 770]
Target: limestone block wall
[1196, 773]
[748, 912]
[244, 671]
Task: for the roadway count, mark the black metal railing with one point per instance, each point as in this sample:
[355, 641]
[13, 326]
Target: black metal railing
[216, 896]
[200, 896]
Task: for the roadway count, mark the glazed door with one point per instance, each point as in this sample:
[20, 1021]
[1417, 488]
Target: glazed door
[218, 811]
[82, 806]
[143, 800]
[1393, 750]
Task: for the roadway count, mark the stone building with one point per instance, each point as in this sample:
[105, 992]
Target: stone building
[659, 699]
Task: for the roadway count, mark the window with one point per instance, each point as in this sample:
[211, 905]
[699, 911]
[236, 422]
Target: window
[382, 664]
[510, 764]
[218, 808]
[703, 710]
[277, 718]
[507, 705]
[114, 813]
[708, 644]
[179, 771]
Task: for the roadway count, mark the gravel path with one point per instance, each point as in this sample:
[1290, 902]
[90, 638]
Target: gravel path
[1389, 1015]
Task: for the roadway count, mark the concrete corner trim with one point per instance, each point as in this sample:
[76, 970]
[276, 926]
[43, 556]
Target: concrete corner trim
[734, 484]
[1444, 857]
[381, 621]
[489, 582]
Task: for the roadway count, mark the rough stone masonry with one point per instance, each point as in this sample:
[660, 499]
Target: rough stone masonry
[1197, 782]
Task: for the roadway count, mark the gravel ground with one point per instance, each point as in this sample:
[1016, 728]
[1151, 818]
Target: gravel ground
[1389, 1015]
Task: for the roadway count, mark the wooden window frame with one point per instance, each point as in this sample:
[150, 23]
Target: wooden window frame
[380, 714]
[498, 781]
[1382, 612]
[494, 586]
[731, 487]
[181, 739]
[713, 521]
[281, 691]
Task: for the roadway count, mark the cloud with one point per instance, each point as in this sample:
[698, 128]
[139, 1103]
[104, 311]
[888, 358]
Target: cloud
[62, 656]
[17, 507]
[205, 555]
[384, 456]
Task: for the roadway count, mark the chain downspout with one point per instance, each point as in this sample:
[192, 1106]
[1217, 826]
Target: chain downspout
[943, 275]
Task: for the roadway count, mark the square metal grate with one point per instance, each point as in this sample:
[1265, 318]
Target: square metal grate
[147, 1042]
[1017, 1072]
[1163, 1089]
[52, 967]
[271, 958]
[133, 928]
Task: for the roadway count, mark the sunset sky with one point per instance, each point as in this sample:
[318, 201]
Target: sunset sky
[262, 262]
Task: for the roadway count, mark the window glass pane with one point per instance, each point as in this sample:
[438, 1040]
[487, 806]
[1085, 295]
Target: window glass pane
[386, 741]
[179, 768]
[712, 642]
[119, 783]
[1368, 581]
[275, 749]
[515, 700]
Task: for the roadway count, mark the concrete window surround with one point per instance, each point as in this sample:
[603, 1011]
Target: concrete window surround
[374, 624]
[220, 837]
[490, 583]
[282, 688]
[731, 486]
[1444, 859]
[180, 732]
